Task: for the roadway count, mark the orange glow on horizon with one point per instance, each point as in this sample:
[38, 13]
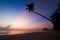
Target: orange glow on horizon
[32, 28]
[35, 26]
[23, 20]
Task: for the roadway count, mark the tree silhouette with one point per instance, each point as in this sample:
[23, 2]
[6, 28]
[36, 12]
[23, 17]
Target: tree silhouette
[30, 7]
[56, 18]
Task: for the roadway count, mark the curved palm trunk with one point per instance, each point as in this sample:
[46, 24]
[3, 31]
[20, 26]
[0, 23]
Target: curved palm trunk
[42, 16]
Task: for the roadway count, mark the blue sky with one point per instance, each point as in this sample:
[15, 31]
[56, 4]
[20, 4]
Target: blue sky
[10, 9]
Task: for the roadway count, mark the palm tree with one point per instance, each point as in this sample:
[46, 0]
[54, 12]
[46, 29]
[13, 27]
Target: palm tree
[55, 18]
[30, 7]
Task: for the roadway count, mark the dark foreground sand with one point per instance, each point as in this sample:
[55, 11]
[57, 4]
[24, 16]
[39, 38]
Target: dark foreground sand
[33, 36]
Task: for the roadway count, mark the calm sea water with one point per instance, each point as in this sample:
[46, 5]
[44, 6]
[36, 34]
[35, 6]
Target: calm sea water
[14, 32]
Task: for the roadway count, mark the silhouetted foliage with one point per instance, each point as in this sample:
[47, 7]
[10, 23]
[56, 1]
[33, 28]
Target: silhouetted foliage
[56, 18]
[46, 29]
[30, 7]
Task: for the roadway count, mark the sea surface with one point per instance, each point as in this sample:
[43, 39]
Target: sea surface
[12, 32]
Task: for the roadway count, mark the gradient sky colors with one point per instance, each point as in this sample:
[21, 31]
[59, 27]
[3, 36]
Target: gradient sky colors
[12, 12]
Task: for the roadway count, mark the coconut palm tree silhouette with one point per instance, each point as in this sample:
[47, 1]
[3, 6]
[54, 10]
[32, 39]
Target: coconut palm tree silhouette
[55, 18]
[30, 7]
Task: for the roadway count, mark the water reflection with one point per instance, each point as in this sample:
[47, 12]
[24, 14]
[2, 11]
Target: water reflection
[17, 32]
[8, 31]
[12, 32]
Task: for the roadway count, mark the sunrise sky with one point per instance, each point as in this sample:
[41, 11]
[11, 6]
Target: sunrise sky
[12, 12]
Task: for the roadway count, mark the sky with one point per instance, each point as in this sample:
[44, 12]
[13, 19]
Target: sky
[13, 12]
